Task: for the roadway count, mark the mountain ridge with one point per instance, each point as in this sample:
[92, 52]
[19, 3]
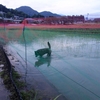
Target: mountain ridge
[29, 11]
[9, 12]
[48, 13]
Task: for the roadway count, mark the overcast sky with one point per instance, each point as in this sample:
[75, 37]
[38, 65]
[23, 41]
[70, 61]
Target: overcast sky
[64, 7]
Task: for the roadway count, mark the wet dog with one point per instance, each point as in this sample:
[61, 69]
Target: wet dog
[44, 51]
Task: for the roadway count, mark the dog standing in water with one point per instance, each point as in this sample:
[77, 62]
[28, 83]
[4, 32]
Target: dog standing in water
[43, 51]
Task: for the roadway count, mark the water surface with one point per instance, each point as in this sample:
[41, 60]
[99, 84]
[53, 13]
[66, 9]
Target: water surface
[74, 66]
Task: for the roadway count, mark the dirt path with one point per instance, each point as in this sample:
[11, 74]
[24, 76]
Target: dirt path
[4, 93]
[77, 26]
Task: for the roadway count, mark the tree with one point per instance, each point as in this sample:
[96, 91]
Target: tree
[9, 15]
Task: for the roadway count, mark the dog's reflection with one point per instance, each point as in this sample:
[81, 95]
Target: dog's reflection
[41, 61]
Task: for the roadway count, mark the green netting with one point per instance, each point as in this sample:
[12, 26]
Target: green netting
[73, 68]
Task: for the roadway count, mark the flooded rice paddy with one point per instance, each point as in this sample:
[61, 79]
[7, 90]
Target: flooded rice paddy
[73, 69]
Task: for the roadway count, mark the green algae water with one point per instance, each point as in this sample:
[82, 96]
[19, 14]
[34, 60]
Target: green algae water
[74, 66]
